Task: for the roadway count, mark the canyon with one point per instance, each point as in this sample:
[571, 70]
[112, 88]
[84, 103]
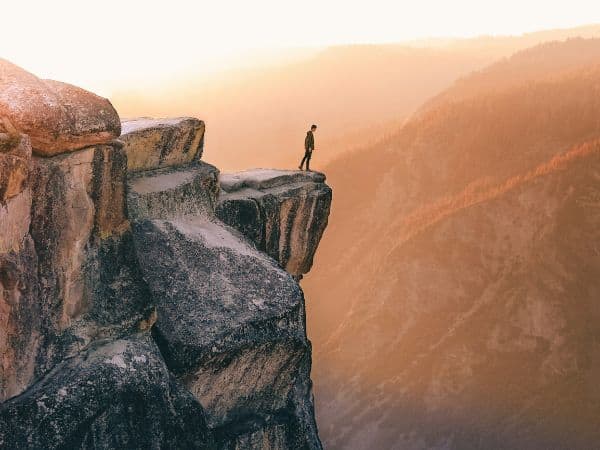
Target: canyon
[461, 303]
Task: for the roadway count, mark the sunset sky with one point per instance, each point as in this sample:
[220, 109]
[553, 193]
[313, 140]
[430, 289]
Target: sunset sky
[95, 43]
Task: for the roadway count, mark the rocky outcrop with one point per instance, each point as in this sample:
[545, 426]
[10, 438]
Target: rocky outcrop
[230, 322]
[58, 117]
[283, 212]
[155, 143]
[101, 259]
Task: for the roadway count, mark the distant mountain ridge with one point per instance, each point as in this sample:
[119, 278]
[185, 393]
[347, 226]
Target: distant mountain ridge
[454, 304]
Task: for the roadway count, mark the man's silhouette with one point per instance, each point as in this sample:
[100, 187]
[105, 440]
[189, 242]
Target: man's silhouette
[309, 146]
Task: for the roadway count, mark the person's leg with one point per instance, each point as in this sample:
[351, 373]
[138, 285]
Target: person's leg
[302, 163]
[308, 156]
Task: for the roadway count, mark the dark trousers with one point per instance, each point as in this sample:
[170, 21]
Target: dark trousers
[307, 156]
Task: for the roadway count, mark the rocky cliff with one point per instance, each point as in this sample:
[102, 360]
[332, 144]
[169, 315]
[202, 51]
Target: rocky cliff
[146, 301]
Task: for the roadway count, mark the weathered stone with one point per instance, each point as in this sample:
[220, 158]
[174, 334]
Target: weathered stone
[173, 192]
[231, 326]
[15, 218]
[57, 116]
[117, 395]
[284, 212]
[15, 162]
[20, 318]
[156, 143]
[80, 292]
[90, 285]
[14, 172]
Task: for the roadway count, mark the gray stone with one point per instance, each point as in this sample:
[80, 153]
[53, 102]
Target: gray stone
[283, 212]
[82, 274]
[231, 325]
[173, 192]
[114, 395]
[96, 247]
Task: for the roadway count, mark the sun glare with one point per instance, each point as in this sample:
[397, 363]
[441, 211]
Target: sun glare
[99, 44]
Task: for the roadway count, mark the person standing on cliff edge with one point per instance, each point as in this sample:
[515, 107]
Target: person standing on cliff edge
[309, 146]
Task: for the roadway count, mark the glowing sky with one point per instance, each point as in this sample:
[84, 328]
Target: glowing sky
[94, 43]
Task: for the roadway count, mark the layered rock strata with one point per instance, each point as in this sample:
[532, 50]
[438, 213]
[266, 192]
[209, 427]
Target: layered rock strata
[156, 143]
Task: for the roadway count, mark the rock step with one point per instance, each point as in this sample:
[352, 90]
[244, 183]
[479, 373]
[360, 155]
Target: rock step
[156, 143]
[173, 192]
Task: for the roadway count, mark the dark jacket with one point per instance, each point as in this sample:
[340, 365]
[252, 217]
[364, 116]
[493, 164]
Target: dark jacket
[309, 141]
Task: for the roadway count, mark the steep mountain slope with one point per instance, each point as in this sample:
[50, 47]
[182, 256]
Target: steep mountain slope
[547, 58]
[444, 242]
[257, 117]
[481, 328]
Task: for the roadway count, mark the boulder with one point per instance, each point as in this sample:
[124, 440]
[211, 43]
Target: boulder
[283, 212]
[58, 117]
[231, 326]
[156, 143]
[118, 394]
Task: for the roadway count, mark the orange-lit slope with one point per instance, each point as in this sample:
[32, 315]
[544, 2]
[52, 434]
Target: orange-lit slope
[464, 220]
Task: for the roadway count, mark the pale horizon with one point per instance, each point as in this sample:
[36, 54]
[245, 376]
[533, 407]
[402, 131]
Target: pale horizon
[97, 46]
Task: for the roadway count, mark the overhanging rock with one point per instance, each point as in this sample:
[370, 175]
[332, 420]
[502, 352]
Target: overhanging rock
[283, 212]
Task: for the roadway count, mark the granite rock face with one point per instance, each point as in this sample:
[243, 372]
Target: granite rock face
[58, 117]
[283, 212]
[70, 275]
[15, 157]
[173, 192]
[230, 321]
[231, 326]
[114, 395]
[130, 315]
[156, 143]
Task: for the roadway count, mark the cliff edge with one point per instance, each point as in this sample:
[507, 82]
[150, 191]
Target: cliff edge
[146, 300]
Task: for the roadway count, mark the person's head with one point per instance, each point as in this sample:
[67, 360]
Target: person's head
[313, 128]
